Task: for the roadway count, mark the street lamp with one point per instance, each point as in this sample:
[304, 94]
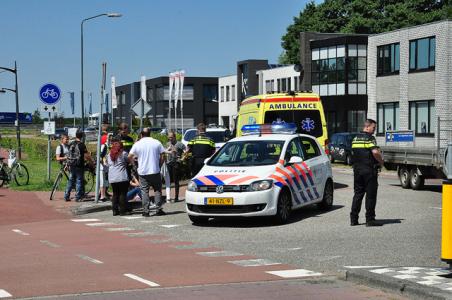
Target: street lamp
[16, 91]
[110, 15]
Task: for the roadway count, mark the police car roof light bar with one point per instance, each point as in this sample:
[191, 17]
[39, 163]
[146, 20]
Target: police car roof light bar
[283, 128]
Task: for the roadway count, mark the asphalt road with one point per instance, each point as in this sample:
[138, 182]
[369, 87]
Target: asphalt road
[324, 241]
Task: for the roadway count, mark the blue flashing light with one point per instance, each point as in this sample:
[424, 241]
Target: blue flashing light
[282, 128]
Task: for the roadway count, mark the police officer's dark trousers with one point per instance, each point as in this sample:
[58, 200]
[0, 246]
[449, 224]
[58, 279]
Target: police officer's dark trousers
[365, 182]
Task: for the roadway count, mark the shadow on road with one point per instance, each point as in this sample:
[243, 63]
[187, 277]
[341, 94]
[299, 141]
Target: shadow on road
[338, 185]
[431, 187]
[390, 221]
[242, 222]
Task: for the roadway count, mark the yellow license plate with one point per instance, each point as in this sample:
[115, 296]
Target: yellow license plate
[219, 201]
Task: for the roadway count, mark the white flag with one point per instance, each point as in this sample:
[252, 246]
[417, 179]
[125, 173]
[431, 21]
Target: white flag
[114, 100]
[181, 76]
[143, 88]
[176, 88]
[171, 82]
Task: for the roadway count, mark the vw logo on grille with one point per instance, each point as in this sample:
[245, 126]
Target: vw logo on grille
[220, 189]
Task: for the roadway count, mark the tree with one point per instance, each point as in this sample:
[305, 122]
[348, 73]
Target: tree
[36, 117]
[359, 16]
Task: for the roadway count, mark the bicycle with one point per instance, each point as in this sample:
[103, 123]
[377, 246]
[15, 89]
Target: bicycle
[13, 169]
[49, 93]
[89, 179]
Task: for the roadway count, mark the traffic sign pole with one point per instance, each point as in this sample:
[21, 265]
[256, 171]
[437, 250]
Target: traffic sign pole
[48, 155]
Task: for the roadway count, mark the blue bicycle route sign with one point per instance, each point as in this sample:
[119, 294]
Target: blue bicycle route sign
[50, 94]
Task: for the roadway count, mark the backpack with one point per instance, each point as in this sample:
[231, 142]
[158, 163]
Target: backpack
[74, 156]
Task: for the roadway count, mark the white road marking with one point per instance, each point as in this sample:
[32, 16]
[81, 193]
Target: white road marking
[85, 220]
[99, 224]
[363, 267]
[170, 225]
[433, 207]
[90, 259]
[119, 229]
[4, 294]
[137, 234]
[404, 276]
[20, 232]
[296, 273]
[219, 253]
[142, 280]
[382, 271]
[295, 249]
[50, 244]
[254, 262]
[132, 217]
[429, 282]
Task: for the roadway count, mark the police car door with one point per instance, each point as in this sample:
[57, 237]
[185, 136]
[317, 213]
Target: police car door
[297, 181]
[313, 165]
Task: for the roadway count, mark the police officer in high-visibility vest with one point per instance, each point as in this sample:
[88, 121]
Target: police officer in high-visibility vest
[123, 136]
[367, 161]
[201, 147]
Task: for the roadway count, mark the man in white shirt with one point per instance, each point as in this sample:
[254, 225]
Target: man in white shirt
[62, 149]
[149, 153]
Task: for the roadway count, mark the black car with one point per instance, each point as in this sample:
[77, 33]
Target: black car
[340, 147]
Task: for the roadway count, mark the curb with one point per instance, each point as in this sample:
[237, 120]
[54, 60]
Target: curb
[84, 209]
[402, 287]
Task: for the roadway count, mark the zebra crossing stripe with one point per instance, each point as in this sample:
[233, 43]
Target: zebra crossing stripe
[4, 294]
[85, 220]
[254, 262]
[219, 253]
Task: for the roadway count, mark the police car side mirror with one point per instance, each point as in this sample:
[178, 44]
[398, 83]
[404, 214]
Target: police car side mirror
[295, 160]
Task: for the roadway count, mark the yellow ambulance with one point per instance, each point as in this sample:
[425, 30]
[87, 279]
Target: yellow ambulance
[302, 108]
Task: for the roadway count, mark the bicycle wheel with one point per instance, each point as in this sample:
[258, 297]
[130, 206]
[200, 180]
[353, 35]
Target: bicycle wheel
[21, 176]
[3, 176]
[89, 180]
[56, 185]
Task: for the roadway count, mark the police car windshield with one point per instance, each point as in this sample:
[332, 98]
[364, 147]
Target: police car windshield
[248, 153]
[307, 121]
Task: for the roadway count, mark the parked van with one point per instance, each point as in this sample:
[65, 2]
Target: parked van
[304, 109]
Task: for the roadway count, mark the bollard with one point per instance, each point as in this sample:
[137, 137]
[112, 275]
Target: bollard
[446, 231]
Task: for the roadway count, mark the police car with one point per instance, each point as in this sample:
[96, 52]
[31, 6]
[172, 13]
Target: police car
[269, 171]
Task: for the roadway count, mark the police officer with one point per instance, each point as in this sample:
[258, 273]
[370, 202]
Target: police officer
[201, 147]
[124, 137]
[367, 160]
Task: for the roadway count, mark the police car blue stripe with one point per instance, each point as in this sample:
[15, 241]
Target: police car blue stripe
[298, 184]
[198, 182]
[293, 191]
[277, 183]
[309, 194]
[302, 177]
[315, 192]
[303, 196]
[215, 180]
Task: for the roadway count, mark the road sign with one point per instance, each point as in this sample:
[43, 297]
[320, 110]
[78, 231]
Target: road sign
[10, 118]
[50, 94]
[141, 108]
[49, 108]
[49, 127]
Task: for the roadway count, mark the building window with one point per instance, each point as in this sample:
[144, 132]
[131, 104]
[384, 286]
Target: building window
[422, 54]
[268, 86]
[423, 117]
[357, 69]
[222, 94]
[163, 93]
[210, 92]
[227, 93]
[283, 85]
[355, 120]
[295, 83]
[233, 93]
[289, 84]
[388, 59]
[328, 70]
[278, 82]
[387, 117]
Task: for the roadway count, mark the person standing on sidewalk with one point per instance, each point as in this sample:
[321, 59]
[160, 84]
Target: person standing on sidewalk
[174, 151]
[62, 149]
[367, 161]
[117, 175]
[201, 147]
[149, 153]
[76, 157]
[123, 136]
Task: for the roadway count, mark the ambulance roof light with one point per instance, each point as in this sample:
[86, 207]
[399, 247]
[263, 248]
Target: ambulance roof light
[276, 128]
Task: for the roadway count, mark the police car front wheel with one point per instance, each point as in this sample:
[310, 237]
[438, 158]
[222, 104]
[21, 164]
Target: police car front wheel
[284, 208]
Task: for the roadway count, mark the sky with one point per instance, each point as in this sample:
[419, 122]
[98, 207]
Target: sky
[152, 38]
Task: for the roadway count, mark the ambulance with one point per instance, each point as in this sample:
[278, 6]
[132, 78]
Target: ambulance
[269, 171]
[302, 108]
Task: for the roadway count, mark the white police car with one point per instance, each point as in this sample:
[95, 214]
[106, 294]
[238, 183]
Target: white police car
[269, 171]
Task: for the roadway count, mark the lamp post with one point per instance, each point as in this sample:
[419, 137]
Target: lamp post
[16, 91]
[110, 15]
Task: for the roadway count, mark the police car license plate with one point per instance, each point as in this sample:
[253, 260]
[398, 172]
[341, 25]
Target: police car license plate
[219, 201]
